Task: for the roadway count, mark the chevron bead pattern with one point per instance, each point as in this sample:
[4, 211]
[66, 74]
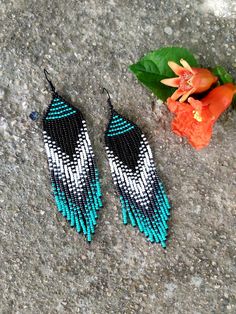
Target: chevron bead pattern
[143, 199]
[74, 175]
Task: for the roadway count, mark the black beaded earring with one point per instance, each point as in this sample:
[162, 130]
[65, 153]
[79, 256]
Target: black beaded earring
[143, 199]
[74, 175]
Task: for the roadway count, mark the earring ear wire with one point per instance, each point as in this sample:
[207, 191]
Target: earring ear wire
[50, 82]
[109, 98]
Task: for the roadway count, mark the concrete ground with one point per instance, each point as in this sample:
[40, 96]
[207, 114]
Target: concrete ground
[45, 266]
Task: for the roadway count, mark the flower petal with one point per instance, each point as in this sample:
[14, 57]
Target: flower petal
[196, 104]
[186, 95]
[172, 104]
[186, 65]
[173, 82]
[178, 93]
[177, 69]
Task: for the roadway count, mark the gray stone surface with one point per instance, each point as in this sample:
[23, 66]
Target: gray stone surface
[45, 266]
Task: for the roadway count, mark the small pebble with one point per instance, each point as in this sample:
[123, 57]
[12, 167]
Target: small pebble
[2, 93]
[34, 115]
[168, 30]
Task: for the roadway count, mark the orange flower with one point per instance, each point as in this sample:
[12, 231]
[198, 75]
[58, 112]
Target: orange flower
[196, 118]
[189, 80]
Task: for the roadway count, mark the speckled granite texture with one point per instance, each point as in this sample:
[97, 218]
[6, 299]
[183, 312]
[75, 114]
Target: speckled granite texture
[45, 266]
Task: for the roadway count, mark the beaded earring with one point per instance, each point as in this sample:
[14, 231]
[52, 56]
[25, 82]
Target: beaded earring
[143, 199]
[74, 174]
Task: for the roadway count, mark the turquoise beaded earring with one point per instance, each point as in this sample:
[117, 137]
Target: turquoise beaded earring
[74, 174]
[143, 200]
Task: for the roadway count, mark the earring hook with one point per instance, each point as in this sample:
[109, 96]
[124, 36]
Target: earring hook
[49, 81]
[109, 98]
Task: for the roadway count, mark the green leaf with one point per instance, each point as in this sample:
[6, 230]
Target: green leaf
[223, 75]
[153, 67]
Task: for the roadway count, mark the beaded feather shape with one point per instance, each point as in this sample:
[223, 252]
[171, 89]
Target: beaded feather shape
[74, 175]
[143, 199]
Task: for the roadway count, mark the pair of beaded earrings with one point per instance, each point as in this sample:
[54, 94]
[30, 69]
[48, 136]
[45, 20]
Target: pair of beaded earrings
[75, 177]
